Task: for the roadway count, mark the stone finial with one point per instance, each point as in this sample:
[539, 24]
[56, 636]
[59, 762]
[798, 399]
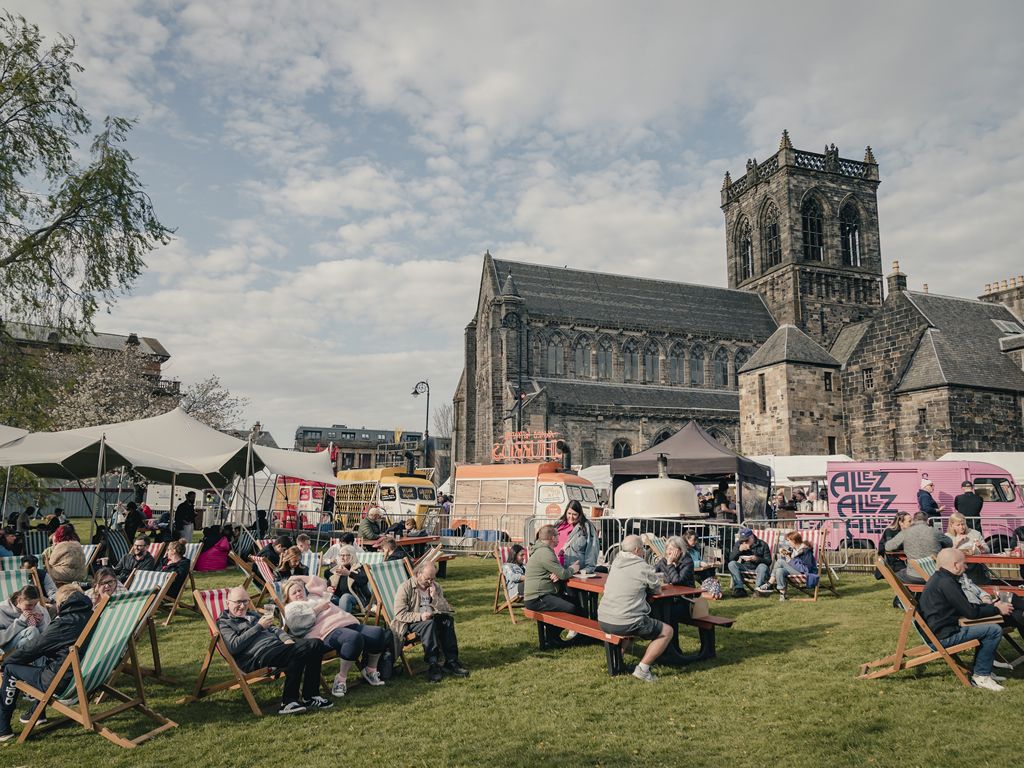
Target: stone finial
[727, 181]
[487, 252]
[988, 287]
[924, 287]
[869, 156]
[895, 265]
[784, 142]
[509, 288]
[1003, 285]
[750, 163]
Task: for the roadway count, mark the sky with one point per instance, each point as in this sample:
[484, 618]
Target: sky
[334, 171]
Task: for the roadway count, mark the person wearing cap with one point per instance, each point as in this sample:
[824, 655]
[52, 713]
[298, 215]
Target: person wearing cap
[926, 502]
[751, 555]
[969, 504]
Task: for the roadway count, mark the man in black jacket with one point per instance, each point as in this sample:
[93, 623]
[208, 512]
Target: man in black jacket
[750, 555]
[254, 643]
[73, 612]
[185, 518]
[943, 604]
[969, 505]
[136, 559]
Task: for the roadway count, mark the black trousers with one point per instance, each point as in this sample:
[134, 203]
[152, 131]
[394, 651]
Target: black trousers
[301, 661]
[552, 603]
[438, 638]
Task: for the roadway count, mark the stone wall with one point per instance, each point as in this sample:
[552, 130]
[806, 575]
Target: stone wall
[924, 428]
[1009, 293]
[986, 421]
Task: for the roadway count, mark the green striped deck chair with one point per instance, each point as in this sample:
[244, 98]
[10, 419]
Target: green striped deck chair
[93, 661]
[145, 581]
[10, 563]
[117, 546]
[925, 567]
[191, 554]
[385, 579]
[36, 542]
[12, 581]
[213, 602]
[371, 558]
[906, 655]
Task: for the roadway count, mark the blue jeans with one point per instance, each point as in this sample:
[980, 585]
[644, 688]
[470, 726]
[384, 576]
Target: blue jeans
[989, 635]
[735, 569]
[347, 602]
[782, 569]
[9, 694]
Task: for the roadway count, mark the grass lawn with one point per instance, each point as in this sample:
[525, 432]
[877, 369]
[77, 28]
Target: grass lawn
[781, 693]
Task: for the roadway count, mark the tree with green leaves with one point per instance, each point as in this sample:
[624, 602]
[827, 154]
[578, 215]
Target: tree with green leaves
[73, 232]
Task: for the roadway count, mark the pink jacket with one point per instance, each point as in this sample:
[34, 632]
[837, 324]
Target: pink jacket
[329, 620]
[215, 558]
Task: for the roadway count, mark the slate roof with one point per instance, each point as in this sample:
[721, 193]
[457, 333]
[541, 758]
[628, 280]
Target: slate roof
[961, 346]
[848, 339]
[584, 393]
[619, 300]
[41, 334]
[789, 345]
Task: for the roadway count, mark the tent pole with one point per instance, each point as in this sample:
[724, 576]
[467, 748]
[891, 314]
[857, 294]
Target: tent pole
[7, 485]
[214, 488]
[99, 478]
[739, 499]
[117, 503]
[170, 504]
[245, 480]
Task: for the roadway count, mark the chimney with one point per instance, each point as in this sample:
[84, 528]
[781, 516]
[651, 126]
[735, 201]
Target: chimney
[924, 287]
[896, 280]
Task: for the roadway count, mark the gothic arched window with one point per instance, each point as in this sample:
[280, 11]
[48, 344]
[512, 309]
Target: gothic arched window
[581, 357]
[745, 250]
[771, 245]
[849, 235]
[813, 228]
[720, 368]
[651, 362]
[631, 361]
[742, 355]
[675, 365]
[604, 359]
[621, 448]
[697, 366]
[661, 437]
[556, 356]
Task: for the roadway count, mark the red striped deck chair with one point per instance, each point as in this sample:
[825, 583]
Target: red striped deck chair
[264, 543]
[160, 582]
[156, 550]
[771, 537]
[906, 655]
[212, 602]
[191, 554]
[243, 566]
[94, 661]
[385, 579]
[816, 540]
[503, 598]
[271, 585]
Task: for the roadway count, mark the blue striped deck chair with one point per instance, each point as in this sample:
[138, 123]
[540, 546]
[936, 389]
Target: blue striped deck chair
[117, 546]
[35, 542]
[656, 545]
[93, 661]
[246, 546]
[145, 581]
[385, 579]
[311, 560]
[191, 554]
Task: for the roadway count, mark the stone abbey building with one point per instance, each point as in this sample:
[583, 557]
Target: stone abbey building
[804, 353]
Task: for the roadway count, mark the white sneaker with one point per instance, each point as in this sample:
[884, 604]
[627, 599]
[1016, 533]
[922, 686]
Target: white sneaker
[569, 635]
[319, 702]
[291, 708]
[373, 678]
[340, 687]
[765, 589]
[986, 681]
[1001, 664]
[647, 677]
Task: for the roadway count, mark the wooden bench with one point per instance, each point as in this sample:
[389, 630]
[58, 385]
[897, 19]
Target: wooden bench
[583, 626]
[706, 631]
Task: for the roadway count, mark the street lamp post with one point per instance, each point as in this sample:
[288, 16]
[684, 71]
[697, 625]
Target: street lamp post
[423, 388]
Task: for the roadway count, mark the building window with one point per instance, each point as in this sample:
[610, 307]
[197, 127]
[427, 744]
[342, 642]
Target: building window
[556, 357]
[812, 227]
[869, 378]
[745, 250]
[330, 434]
[604, 360]
[676, 369]
[832, 445]
[582, 358]
[828, 381]
[697, 366]
[630, 361]
[922, 417]
[661, 437]
[771, 245]
[313, 435]
[762, 395]
[849, 235]
[621, 448]
[651, 362]
[742, 355]
[720, 369]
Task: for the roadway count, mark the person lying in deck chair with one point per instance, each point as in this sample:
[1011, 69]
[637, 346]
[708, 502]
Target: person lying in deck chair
[254, 642]
[545, 581]
[624, 609]
[421, 608]
[51, 647]
[943, 604]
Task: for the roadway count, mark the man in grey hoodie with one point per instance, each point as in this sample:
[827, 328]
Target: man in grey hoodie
[624, 609]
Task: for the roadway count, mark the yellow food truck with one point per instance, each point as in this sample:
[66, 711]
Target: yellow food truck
[400, 493]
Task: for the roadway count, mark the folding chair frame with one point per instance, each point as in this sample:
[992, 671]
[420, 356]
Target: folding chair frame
[502, 599]
[156, 671]
[824, 572]
[410, 640]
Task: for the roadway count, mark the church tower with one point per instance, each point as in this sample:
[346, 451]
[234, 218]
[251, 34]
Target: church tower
[801, 229]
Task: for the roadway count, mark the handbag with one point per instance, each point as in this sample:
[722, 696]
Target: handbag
[699, 608]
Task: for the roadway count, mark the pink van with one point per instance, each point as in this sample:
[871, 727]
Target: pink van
[867, 494]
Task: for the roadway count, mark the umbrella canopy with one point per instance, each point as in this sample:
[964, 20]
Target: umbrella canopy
[315, 467]
[57, 454]
[691, 452]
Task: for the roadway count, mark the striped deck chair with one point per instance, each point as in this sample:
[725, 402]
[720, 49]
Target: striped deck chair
[160, 582]
[371, 558]
[117, 546]
[264, 543]
[246, 545]
[271, 585]
[156, 550]
[35, 542]
[245, 567]
[191, 554]
[816, 540]
[907, 656]
[12, 581]
[656, 545]
[771, 537]
[12, 563]
[212, 602]
[385, 579]
[502, 597]
[311, 560]
[93, 662]
[91, 550]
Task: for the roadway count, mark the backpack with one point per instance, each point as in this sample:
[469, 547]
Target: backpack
[386, 663]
